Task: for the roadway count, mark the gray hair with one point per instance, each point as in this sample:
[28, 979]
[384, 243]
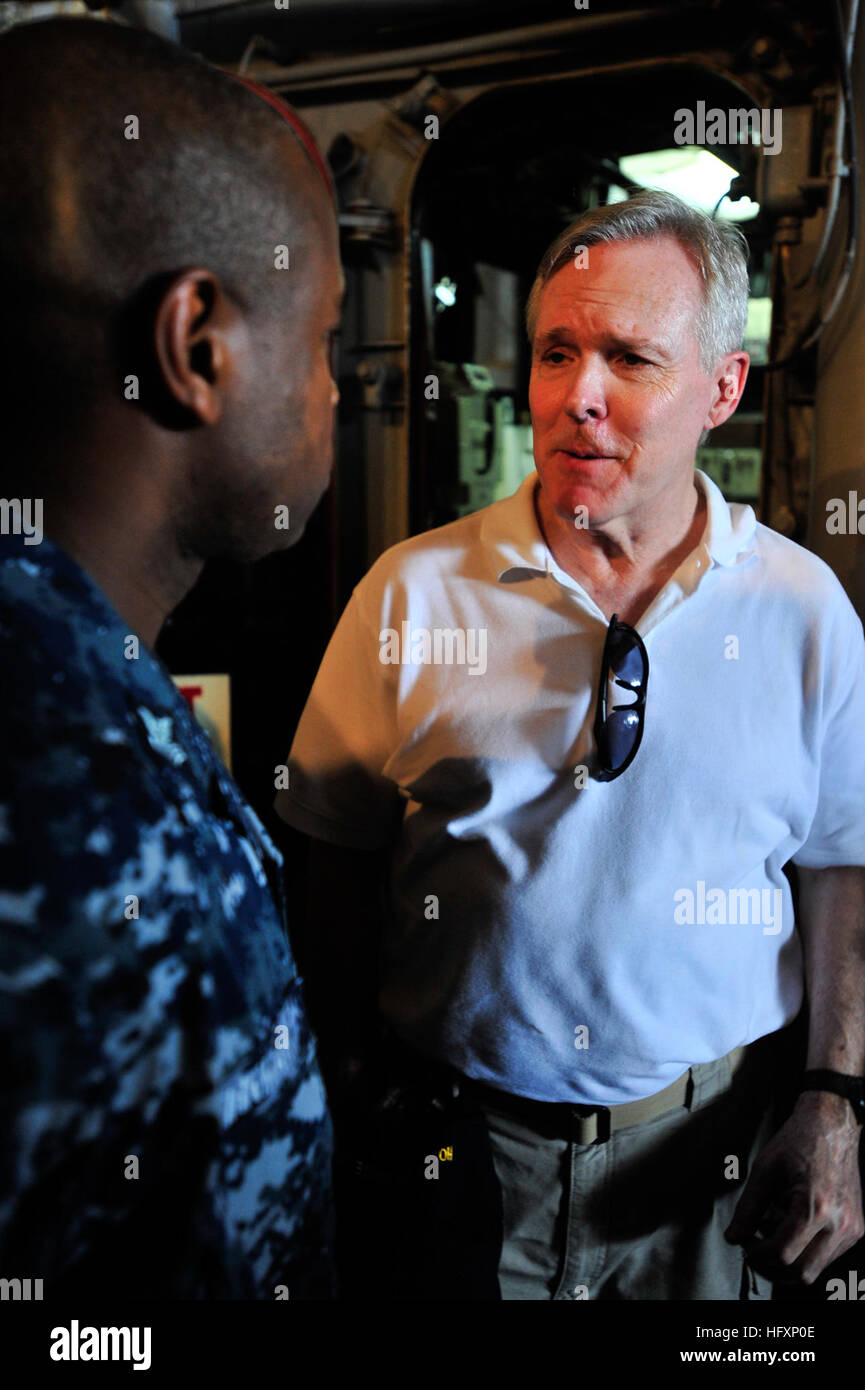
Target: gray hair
[719, 249]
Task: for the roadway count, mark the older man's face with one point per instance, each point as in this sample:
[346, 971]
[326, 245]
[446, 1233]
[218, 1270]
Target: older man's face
[617, 394]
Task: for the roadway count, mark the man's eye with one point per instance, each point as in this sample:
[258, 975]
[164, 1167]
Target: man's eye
[554, 353]
[632, 359]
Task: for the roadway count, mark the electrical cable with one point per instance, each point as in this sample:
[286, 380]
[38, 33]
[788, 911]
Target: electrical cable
[844, 42]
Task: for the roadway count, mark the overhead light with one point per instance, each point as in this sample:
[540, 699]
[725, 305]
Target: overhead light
[696, 175]
[446, 293]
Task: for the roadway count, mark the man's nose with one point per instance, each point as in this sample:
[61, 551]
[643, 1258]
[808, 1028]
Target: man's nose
[586, 395]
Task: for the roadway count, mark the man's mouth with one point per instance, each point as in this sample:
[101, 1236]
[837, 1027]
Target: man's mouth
[584, 454]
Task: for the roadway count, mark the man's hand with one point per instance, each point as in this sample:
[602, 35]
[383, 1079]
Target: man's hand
[802, 1204]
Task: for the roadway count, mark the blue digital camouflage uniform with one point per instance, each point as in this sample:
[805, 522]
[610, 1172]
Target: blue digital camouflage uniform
[149, 1004]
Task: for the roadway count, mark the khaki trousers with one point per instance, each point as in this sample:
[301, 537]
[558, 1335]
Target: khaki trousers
[639, 1215]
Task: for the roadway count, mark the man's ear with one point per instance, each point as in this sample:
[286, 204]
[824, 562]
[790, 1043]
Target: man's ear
[729, 379]
[191, 340]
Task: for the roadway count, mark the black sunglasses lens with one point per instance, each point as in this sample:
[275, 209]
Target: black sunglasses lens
[626, 659]
[623, 732]
[619, 726]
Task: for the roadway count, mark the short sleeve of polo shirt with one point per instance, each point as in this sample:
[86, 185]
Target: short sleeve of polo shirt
[837, 833]
[338, 790]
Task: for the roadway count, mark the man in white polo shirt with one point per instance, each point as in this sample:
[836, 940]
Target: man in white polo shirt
[588, 927]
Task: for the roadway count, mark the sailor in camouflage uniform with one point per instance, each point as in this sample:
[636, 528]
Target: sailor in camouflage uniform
[165, 1128]
[149, 1003]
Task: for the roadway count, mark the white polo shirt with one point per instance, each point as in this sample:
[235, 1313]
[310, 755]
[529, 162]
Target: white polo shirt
[570, 939]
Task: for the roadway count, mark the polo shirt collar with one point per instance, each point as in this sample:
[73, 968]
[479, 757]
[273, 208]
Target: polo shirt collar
[730, 536]
[512, 536]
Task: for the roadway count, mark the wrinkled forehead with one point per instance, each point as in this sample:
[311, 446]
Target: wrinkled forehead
[646, 286]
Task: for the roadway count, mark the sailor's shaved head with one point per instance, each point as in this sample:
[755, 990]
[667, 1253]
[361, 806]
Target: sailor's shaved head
[123, 160]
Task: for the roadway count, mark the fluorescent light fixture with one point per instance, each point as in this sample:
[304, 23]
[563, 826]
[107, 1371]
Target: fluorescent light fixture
[697, 176]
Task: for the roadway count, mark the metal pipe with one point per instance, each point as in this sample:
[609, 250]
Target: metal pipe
[424, 54]
[690, 61]
[373, 10]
